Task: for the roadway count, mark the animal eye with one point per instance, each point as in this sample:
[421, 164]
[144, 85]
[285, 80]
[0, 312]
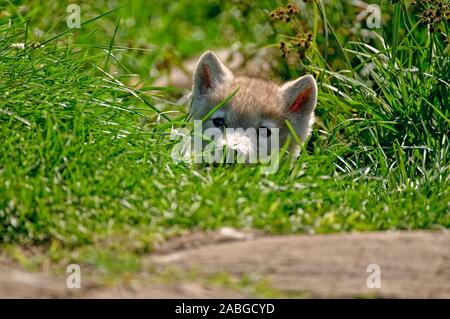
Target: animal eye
[265, 131]
[219, 122]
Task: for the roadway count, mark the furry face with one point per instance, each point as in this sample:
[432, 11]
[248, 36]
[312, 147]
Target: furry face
[257, 104]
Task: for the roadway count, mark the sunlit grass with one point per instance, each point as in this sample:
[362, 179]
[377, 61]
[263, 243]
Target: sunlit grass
[86, 164]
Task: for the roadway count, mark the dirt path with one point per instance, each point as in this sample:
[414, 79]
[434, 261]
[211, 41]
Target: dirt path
[21, 284]
[413, 264]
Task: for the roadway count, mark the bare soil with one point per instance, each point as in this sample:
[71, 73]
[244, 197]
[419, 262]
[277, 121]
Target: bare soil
[413, 264]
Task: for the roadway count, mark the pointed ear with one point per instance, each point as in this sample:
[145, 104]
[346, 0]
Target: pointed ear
[300, 96]
[209, 73]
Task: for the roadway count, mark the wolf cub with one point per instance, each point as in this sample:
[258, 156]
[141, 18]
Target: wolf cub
[258, 104]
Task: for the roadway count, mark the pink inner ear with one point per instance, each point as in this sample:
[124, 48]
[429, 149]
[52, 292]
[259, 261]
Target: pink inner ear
[300, 100]
[206, 78]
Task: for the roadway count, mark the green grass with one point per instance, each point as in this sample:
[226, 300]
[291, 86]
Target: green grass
[85, 166]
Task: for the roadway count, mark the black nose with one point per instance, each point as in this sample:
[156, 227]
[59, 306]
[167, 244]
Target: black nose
[219, 122]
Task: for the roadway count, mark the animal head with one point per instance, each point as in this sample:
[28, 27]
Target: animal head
[257, 103]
